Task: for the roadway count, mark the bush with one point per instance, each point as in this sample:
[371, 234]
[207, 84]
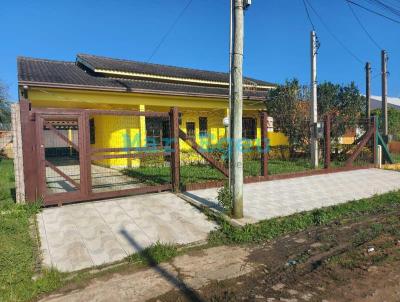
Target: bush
[152, 161]
[280, 152]
[189, 157]
[225, 199]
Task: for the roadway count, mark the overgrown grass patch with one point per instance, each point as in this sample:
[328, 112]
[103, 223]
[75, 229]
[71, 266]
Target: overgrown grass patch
[18, 248]
[156, 253]
[273, 228]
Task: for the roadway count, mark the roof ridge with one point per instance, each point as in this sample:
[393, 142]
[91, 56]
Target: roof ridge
[43, 60]
[152, 64]
[251, 79]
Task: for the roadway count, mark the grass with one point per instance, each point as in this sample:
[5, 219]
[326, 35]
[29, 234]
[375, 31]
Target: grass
[196, 173]
[276, 227]
[155, 254]
[18, 248]
[396, 157]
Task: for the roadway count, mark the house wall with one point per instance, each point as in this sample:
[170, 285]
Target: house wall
[122, 132]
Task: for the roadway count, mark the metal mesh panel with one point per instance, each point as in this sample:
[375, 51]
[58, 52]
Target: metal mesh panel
[347, 137]
[62, 171]
[124, 157]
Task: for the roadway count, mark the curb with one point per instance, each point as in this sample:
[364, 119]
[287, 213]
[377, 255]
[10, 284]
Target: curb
[214, 212]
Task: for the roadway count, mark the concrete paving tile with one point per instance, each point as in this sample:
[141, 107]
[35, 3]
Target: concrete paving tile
[95, 233]
[71, 257]
[306, 193]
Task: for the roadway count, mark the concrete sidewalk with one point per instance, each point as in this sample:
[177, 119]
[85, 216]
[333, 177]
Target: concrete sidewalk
[270, 199]
[79, 236]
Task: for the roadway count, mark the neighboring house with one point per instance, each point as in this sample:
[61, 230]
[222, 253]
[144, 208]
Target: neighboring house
[94, 82]
[376, 102]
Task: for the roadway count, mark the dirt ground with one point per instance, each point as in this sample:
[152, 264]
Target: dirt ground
[351, 260]
[334, 263]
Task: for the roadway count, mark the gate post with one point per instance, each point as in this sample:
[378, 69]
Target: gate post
[29, 152]
[175, 151]
[327, 141]
[264, 144]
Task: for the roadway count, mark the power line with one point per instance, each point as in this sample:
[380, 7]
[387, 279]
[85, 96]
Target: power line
[385, 6]
[362, 26]
[308, 15]
[334, 36]
[170, 29]
[374, 12]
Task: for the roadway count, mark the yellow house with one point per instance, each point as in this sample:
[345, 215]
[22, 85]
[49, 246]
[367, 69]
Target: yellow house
[93, 82]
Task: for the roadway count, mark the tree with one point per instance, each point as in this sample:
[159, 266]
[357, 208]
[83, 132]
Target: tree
[5, 112]
[288, 106]
[344, 103]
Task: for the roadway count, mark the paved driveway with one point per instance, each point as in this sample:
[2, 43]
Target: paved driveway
[83, 235]
[103, 179]
[284, 197]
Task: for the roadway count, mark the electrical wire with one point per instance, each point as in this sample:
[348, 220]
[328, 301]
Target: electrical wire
[385, 7]
[308, 15]
[362, 26]
[334, 36]
[170, 29]
[374, 12]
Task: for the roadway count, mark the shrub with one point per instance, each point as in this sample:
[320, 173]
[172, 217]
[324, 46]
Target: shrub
[279, 152]
[225, 199]
[152, 161]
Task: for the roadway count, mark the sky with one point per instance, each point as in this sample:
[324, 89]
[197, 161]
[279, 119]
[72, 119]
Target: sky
[277, 37]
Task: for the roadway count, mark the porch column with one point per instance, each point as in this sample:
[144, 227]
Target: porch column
[142, 125]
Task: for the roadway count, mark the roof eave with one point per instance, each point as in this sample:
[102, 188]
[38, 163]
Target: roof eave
[116, 89]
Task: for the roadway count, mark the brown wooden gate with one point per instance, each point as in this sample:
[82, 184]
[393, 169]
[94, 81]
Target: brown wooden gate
[63, 166]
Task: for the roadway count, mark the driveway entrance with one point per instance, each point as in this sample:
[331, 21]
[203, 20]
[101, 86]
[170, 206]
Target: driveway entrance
[83, 235]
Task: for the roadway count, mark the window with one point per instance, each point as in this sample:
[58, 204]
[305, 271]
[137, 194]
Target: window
[92, 132]
[203, 126]
[249, 130]
[153, 131]
[157, 132]
[190, 129]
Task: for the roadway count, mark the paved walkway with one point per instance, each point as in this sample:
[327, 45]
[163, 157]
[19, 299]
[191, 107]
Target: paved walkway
[284, 197]
[83, 235]
[103, 179]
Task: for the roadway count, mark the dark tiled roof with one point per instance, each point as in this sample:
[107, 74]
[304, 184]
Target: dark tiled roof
[48, 73]
[377, 104]
[104, 63]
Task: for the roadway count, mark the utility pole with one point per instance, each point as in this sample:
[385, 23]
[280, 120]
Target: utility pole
[314, 109]
[237, 109]
[385, 127]
[229, 137]
[368, 90]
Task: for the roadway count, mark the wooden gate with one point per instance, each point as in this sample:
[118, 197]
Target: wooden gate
[63, 164]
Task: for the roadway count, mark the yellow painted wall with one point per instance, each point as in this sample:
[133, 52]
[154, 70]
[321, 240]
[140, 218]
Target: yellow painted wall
[117, 132]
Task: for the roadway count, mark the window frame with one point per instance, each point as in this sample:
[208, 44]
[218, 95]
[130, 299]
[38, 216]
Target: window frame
[92, 131]
[191, 135]
[203, 131]
[249, 132]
